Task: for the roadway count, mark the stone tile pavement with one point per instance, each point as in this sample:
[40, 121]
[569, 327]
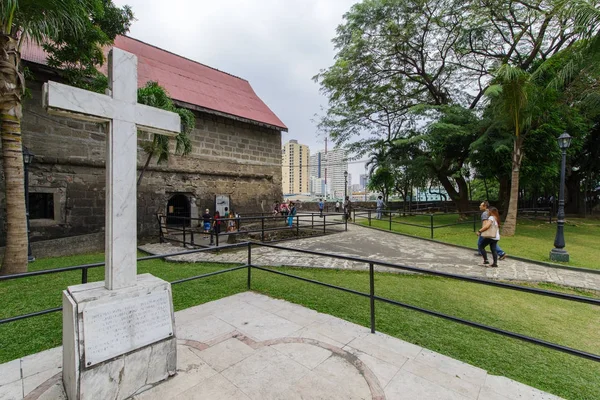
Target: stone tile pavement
[371, 244]
[250, 346]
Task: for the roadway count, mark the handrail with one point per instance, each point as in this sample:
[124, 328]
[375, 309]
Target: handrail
[302, 221]
[372, 297]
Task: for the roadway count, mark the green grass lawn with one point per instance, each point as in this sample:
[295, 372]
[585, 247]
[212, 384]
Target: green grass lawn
[567, 323]
[534, 238]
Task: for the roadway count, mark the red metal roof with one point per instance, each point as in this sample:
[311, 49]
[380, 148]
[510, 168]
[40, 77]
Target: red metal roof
[187, 81]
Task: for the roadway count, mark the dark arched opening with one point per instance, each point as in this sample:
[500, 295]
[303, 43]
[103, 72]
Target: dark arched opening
[178, 207]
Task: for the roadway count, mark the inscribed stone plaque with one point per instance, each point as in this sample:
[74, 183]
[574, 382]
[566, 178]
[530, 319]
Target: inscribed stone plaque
[221, 201]
[117, 328]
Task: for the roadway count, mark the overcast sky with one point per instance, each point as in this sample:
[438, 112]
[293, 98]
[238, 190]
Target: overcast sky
[277, 45]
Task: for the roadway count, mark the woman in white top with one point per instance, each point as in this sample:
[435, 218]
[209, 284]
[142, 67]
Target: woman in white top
[491, 224]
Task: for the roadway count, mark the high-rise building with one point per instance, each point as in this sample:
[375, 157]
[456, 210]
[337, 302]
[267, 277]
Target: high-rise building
[294, 168]
[364, 181]
[330, 166]
[317, 186]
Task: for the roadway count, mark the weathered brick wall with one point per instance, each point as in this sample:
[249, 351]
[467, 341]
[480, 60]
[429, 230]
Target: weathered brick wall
[228, 158]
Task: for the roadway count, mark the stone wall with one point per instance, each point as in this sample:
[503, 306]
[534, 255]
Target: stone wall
[229, 157]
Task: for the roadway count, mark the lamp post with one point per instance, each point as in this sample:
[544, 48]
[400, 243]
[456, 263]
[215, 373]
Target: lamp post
[345, 184]
[27, 159]
[558, 253]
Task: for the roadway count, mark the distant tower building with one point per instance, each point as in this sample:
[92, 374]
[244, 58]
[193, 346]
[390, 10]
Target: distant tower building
[295, 177]
[335, 161]
[364, 181]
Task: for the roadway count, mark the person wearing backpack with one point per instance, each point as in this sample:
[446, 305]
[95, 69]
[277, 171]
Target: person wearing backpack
[490, 231]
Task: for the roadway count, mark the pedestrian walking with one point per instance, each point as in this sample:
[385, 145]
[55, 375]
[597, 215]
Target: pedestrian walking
[337, 206]
[490, 232]
[483, 207]
[380, 206]
[321, 207]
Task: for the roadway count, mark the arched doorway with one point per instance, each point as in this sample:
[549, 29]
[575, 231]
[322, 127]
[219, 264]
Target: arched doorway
[178, 206]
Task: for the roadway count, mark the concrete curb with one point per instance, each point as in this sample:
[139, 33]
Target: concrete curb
[542, 263]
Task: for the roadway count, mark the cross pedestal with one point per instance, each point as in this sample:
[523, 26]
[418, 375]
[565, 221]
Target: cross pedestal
[118, 335]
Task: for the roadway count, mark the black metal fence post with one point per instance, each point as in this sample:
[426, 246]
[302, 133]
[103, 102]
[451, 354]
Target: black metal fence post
[298, 225]
[474, 222]
[324, 218]
[346, 222]
[217, 235]
[372, 295]
[262, 229]
[248, 285]
[84, 278]
[431, 223]
[369, 217]
[390, 217]
[312, 220]
[183, 226]
[192, 236]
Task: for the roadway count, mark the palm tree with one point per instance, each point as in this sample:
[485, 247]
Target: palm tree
[22, 20]
[512, 89]
[156, 96]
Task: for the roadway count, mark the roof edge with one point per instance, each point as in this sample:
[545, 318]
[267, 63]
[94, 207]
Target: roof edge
[185, 58]
[226, 115]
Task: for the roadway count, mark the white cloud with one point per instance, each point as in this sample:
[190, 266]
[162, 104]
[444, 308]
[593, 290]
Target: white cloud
[277, 45]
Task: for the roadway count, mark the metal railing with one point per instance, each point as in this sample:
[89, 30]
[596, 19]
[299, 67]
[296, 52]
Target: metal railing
[473, 219]
[316, 224]
[371, 295]
[535, 212]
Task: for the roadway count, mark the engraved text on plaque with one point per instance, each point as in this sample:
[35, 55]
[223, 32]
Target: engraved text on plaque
[113, 329]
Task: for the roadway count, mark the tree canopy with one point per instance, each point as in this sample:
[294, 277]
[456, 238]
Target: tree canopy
[466, 88]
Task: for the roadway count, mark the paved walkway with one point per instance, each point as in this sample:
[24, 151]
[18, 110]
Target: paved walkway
[250, 346]
[367, 243]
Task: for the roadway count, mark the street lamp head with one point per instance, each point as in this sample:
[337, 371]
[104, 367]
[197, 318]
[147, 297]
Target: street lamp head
[27, 156]
[564, 141]
[345, 174]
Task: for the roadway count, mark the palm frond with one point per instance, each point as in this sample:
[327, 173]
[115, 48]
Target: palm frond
[40, 19]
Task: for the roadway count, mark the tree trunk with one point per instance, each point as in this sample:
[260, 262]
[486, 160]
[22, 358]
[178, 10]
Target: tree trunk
[139, 181]
[503, 195]
[460, 197]
[510, 224]
[11, 89]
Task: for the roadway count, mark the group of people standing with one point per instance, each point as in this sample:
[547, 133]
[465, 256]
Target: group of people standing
[286, 210]
[215, 222]
[347, 206]
[289, 210]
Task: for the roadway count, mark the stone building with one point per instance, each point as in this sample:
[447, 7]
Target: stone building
[236, 154]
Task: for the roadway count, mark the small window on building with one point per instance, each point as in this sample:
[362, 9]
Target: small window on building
[41, 205]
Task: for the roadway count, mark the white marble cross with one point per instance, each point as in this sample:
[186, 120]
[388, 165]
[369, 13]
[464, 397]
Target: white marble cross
[119, 107]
